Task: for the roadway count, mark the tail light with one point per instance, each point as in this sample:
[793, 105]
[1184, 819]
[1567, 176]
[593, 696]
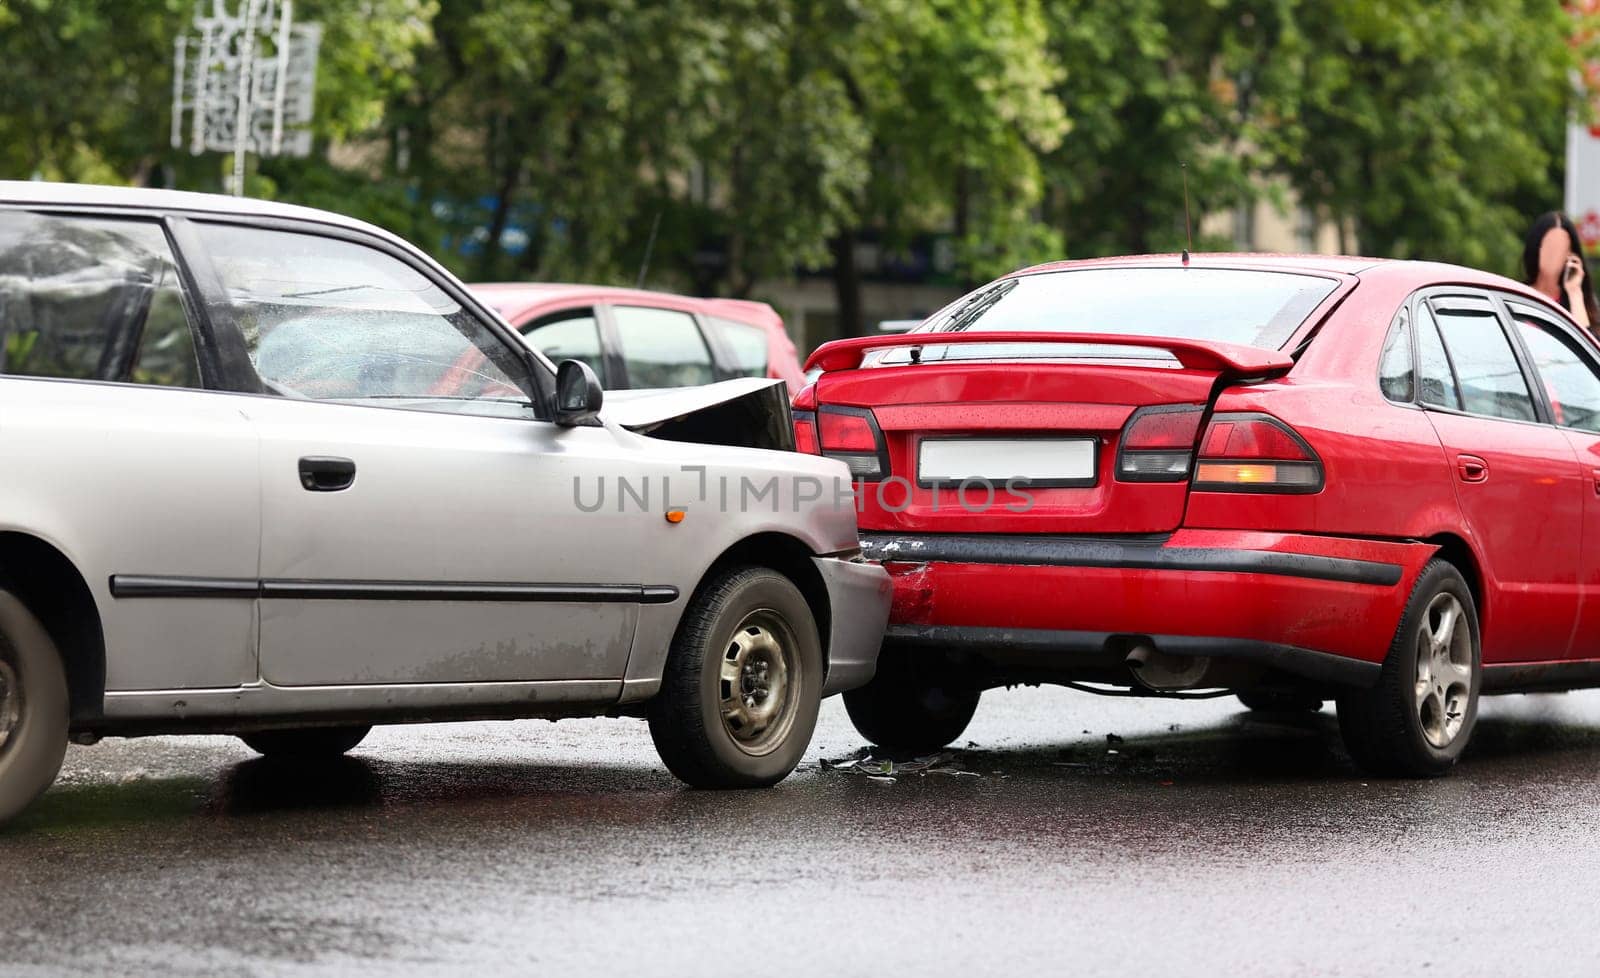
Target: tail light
[852, 436]
[849, 434]
[1157, 443]
[805, 421]
[1255, 453]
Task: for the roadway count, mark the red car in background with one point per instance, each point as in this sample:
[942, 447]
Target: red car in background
[637, 339]
[1296, 478]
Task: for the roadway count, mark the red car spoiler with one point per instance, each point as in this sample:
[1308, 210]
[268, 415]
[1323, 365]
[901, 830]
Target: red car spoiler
[1233, 358]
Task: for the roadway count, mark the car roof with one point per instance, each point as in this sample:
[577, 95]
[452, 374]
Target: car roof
[516, 300]
[43, 193]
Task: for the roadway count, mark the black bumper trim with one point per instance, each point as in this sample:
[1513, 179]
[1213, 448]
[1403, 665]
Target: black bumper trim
[1310, 664]
[1137, 553]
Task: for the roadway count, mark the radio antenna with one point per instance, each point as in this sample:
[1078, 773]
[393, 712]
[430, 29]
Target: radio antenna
[649, 249]
[1188, 235]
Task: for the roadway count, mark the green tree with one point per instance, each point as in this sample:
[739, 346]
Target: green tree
[1437, 127]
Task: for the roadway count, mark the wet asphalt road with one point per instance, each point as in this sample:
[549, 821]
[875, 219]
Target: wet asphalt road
[1211, 842]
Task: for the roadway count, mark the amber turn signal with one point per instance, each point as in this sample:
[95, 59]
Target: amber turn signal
[676, 515]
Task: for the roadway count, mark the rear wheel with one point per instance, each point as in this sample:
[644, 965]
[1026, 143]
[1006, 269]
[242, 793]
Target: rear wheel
[309, 744]
[742, 685]
[1276, 701]
[915, 703]
[1419, 717]
[33, 708]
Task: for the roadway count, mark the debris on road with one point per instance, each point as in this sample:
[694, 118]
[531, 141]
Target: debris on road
[888, 768]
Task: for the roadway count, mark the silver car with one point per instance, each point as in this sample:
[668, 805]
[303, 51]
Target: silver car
[273, 472]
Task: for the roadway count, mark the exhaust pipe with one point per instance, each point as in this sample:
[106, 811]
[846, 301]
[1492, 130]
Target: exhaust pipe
[1159, 672]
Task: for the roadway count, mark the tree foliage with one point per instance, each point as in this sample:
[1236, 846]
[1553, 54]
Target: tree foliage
[741, 140]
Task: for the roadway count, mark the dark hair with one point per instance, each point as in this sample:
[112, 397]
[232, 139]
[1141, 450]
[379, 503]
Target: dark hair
[1530, 259]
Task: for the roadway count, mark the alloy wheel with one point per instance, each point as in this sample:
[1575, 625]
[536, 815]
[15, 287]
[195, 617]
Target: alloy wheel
[758, 682]
[1444, 670]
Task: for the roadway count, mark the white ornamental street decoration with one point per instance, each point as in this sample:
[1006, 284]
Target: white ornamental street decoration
[244, 81]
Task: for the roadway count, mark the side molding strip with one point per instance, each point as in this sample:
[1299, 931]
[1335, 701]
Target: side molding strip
[149, 586]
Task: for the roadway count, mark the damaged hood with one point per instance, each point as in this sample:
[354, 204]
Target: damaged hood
[750, 412]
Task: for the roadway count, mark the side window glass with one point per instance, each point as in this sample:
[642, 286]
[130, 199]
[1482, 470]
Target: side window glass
[1486, 370]
[328, 319]
[570, 335]
[1395, 375]
[92, 299]
[1436, 383]
[662, 348]
[747, 343]
[1569, 380]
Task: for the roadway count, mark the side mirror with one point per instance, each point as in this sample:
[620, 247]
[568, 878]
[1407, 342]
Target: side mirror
[578, 394]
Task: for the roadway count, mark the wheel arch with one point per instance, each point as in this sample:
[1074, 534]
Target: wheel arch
[1459, 553]
[790, 557]
[46, 581]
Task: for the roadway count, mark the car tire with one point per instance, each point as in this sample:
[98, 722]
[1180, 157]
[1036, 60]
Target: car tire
[1275, 701]
[33, 708]
[308, 744]
[742, 684]
[914, 704]
[1418, 718]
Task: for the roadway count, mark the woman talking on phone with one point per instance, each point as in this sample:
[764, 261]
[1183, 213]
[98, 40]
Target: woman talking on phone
[1552, 262]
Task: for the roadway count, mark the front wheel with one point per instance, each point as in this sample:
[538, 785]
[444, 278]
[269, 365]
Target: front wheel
[33, 708]
[742, 685]
[1419, 717]
[309, 744]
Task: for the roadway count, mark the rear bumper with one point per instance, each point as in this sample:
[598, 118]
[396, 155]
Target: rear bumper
[859, 596]
[1324, 608]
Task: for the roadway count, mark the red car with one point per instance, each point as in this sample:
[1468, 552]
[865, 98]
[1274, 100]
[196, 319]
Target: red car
[1295, 478]
[634, 339]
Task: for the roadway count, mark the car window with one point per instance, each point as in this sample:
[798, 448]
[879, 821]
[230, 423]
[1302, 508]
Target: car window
[328, 319]
[1436, 382]
[92, 299]
[1569, 378]
[662, 348]
[570, 335]
[747, 343]
[1395, 374]
[1487, 373]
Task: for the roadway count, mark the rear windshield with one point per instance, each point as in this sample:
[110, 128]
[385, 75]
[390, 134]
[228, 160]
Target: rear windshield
[1252, 308]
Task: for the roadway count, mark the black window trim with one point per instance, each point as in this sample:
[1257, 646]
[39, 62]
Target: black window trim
[537, 374]
[194, 310]
[1414, 400]
[1571, 331]
[194, 269]
[616, 366]
[613, 338]
[1430, 295]
[550, 317]
[728, 366]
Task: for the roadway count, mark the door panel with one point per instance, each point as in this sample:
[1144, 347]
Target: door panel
[143, 482]
[111, 456]
[1571, 383]
[360, 584]
[1516, 480]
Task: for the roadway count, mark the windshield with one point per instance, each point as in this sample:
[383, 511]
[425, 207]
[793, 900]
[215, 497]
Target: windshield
[1252, 308]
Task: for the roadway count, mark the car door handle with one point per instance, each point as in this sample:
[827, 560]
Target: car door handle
[1472, 468]
[325, 473]
[1595, 473]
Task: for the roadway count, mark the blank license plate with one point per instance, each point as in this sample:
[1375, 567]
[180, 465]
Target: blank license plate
[1037, 461]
